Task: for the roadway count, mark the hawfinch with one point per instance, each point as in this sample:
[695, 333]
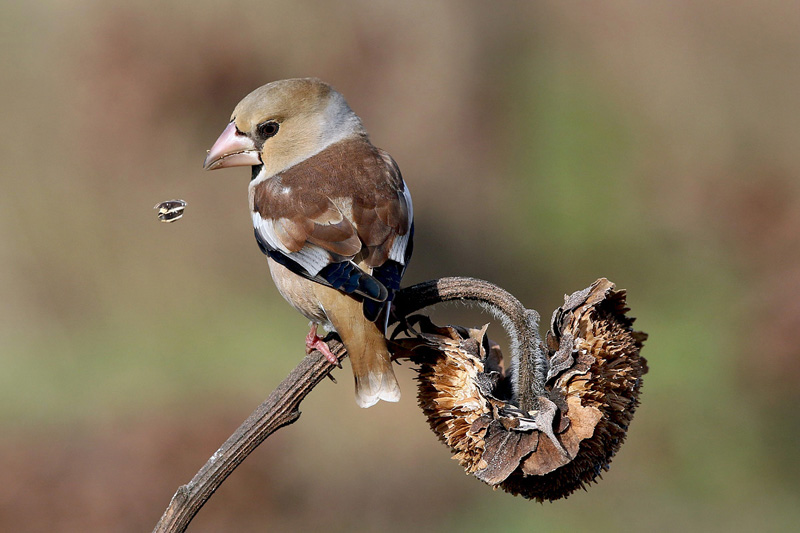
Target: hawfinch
[332, 214]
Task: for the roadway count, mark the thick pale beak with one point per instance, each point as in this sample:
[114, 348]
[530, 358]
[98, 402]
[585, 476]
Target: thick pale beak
[232, 149]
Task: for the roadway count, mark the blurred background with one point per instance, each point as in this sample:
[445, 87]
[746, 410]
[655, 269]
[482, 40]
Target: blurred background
[546, 145]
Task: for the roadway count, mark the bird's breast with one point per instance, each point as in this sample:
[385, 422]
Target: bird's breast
[300, 293]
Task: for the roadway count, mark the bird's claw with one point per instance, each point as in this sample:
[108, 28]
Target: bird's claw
[313, 342]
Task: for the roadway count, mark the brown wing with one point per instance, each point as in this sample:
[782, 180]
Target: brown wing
[349, 199]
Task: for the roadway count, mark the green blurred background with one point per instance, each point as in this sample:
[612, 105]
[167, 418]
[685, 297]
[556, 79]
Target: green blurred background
[546, 145]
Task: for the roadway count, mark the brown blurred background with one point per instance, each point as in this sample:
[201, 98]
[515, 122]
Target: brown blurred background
[546, 146]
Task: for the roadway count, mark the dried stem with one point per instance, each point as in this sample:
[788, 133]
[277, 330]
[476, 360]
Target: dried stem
[281, 408]
[528, 361]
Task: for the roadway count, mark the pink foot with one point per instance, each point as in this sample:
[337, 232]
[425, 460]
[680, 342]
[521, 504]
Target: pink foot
[315, 343]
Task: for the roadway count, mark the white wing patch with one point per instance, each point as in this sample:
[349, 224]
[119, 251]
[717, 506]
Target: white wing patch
[407, 195]
[398, 251]
[266, 229]
[311, 257]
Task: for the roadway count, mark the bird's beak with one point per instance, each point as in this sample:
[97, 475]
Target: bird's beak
[232, 149]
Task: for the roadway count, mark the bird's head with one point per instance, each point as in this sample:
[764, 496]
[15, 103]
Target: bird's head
[283, 123]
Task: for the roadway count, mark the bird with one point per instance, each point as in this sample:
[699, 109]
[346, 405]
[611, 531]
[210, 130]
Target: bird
[332, 214]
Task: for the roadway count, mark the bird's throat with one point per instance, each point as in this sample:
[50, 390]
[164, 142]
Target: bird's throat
[256, 170]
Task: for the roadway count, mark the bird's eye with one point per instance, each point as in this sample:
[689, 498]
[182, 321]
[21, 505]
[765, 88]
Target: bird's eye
[267, 129]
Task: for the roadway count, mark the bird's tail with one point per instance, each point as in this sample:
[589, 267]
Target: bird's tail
[374, 375]
[369, 356]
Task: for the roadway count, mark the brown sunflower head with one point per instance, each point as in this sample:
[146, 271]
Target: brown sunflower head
[592, 389]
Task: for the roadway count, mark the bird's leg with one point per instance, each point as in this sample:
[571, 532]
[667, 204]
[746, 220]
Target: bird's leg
[313, 342]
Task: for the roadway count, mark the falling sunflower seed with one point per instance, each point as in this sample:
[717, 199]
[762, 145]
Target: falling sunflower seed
[170, 211]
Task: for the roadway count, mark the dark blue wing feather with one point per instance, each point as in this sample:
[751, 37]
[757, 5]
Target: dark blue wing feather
[390, 274]
[348, 278]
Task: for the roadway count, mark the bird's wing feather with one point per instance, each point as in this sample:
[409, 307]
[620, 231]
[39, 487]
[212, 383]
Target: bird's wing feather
[346, 205]
[321, 265]
[395, 253]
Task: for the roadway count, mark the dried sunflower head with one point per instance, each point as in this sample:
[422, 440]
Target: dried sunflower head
[592, 389]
